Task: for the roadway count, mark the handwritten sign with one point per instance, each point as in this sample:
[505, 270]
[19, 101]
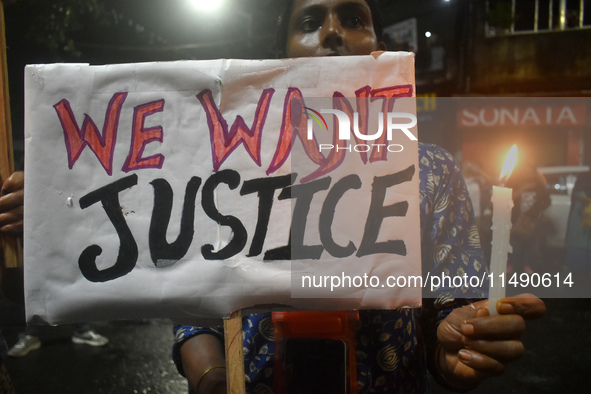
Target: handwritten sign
[193, 189]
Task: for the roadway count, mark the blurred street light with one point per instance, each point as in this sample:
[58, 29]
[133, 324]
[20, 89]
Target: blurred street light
[206, 5]
[221, 13]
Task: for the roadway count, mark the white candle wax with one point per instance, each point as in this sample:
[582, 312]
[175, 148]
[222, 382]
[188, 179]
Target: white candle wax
[501, 231]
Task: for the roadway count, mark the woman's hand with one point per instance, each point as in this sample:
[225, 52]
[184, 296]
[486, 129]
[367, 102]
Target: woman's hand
[474, 345]
[11, 204]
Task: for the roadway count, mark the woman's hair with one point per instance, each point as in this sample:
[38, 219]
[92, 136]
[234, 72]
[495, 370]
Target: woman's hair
[285, 15]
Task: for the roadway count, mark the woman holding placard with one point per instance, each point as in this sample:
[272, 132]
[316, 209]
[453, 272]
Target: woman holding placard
[464, 344]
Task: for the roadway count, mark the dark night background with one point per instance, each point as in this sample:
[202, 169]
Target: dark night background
[137, 360]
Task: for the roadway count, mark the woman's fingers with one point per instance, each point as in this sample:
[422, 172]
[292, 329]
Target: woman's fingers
[503, 351]
[498, 327]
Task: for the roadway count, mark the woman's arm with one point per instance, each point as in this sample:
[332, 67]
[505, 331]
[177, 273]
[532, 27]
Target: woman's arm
[204, 363]
[465, 344]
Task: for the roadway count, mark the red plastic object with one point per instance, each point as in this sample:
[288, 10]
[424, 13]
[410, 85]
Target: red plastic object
[315, 342]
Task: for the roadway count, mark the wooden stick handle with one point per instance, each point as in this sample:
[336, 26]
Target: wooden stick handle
[234, 353]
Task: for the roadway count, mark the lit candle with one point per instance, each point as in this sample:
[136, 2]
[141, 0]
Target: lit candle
[502, 200]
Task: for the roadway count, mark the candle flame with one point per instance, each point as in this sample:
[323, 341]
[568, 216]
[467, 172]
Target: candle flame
[509, 164]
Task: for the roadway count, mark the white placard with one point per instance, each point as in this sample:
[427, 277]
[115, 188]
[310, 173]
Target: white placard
[168, 189]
